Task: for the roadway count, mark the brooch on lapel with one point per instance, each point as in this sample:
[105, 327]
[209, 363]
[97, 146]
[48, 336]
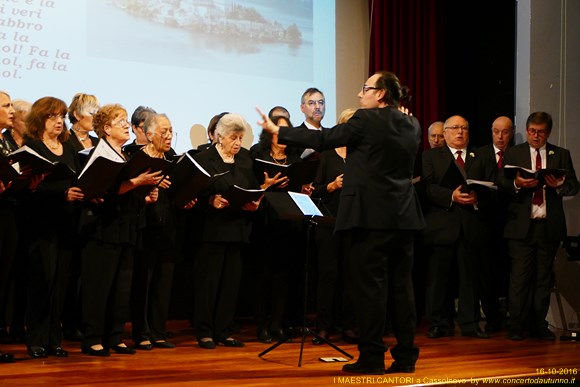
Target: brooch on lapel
[472, 155]
[550, 153]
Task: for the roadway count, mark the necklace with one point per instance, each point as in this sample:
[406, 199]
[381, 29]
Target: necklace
[53, 147]
[77, 131]
[279, 161]
[151, 153]
[226, 158]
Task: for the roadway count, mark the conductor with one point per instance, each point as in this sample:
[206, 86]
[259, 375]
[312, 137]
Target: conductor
[379, 213]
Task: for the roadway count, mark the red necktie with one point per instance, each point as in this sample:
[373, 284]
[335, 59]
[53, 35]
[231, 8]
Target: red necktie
[500, 159]
[538, 197]
[460, 160]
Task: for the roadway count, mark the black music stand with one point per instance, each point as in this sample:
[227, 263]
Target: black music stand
[287, 209]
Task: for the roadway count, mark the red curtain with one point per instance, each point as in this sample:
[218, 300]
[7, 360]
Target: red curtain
[406, 39]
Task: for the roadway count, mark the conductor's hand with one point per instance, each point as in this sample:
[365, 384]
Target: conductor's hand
[521, 182]
[463, 198]
[404, 110]
[267, 123]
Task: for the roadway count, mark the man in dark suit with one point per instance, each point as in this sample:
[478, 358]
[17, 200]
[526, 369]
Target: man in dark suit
[455, 231]
[313, 105]
[494, 266]
[379, 213]
[535, 225]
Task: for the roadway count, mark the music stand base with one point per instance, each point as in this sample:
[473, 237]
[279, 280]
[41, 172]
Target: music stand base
[305, 332]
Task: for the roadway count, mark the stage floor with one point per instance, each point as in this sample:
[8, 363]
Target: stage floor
[446, 361]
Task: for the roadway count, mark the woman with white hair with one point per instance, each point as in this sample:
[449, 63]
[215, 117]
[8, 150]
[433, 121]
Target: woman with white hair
[218, 263]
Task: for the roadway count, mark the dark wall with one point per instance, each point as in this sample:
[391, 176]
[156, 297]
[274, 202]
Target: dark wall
[479, 47]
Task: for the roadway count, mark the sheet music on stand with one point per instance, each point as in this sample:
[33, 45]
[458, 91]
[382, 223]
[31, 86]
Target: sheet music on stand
[305, 204]
[298, 206]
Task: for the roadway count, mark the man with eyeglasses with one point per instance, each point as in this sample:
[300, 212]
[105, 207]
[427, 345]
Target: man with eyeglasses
[378, 214]
[313, 105]
[455, 231]
[535, 225]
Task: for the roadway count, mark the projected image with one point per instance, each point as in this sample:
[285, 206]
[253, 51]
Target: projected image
[251, 37]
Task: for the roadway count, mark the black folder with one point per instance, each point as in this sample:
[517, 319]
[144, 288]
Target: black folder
[99, 177]
[188, 179]
[510, 171]
[238, 196]
[298, 173]
[28, 157]
[140, 162]
[7, 172]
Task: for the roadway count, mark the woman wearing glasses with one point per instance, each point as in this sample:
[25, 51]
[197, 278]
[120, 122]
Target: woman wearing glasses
[110, 227]
[51, 215]
[153, 271]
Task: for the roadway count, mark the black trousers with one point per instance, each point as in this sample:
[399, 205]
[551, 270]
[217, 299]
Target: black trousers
[334, 306]
[48, 273]
[151, 294]
[106, 271]
[217, 274]
[440, 266]
[380, 264]
[531, 278]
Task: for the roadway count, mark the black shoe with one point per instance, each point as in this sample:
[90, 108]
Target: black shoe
[515, 334]
[58, 352]
[36, 352]
[349, 336]
[477, 333]
[400, 368]
[264, 336]
[6, 357]
[319, 341]
[229, 342]
[163, 344]
[208, 344]
[95, 352]
[437, 332]
[361, 368]
[544, 334]
[123, 350]
[144, 346]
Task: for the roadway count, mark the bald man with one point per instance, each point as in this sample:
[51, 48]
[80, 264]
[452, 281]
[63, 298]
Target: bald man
[494, 267]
